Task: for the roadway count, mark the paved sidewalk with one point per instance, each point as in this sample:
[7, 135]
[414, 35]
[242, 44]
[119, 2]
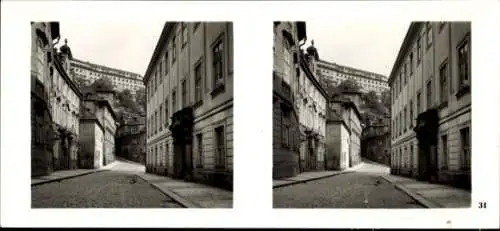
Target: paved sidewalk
[62, 175]
[431, 195]
[309, 176]
[190, 194]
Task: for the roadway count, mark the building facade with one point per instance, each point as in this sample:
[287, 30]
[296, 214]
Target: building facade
[431, 104]
[43, 134]
[189, 117]
[121, 80]
[376, 141]
[333, 74]
[337, 142]
[343, 115]
[65, 104]
[131, 138]
[288, 38]
[91, 152]
[310, 99]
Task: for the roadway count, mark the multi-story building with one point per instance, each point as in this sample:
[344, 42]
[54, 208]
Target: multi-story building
[189, 85]
[430, 90]
[343, 134]
[288, 38]
[131, 138]
[310, 100]
[65, 104]
[97, 131]
[333, 74]
[43, 35]
[376, 141]
[121, 79]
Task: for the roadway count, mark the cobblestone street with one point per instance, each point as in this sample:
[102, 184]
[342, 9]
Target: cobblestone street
[343, 191]
[111, 189]
[361, 189]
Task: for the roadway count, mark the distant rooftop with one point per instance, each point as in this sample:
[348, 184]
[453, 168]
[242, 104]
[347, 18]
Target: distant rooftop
[354, 70]
[138, 76]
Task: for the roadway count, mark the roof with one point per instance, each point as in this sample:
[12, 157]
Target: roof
[311, 76]
[66, 77]
[167, 28]
[410, 34]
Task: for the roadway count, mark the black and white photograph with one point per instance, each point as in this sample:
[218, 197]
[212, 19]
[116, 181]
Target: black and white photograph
[372, 115]
[131, 115]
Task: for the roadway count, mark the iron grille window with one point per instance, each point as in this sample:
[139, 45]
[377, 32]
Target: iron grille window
[197, 83]
[199, 138]
[464, 62]
[444, 143]
[443, 77]
[218, 64]
[465, 148]
[184, 94]
[220, 147]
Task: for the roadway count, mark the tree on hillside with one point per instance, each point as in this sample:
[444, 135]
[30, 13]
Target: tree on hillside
[103, 84]
[349, 85]
[126, 101]
[386, 99]
[140, 99]
[82, 82]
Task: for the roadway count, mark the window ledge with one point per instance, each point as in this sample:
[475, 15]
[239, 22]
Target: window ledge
[463, 90]
[218, 90]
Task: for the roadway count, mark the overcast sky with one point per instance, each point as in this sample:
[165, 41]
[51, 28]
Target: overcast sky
[126, 46]
[366, 46]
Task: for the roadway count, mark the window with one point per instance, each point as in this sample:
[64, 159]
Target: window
[411, 157]
[419, 51]
[443, 81]
[184, 94]
[464, 62]
[166, 153]
[429, 94]
[174, 50]
[167, 64]
[444, 143]
[406, 73]
[220, 147]
[411, 114]
[197, 83]
[218, 64]
[166, 113]
[174, 102]
[404, 119]
[161, 155]
[465, 149]
[156, 156]
[199, 138]
[161, 118]
[156, 80]
[286, 61]
[411, 64]
[401, 119]
[184, 34]
[160, 73]
[418, 102]
[401, 80]
[156, 122]
[429, 34]
[285, 129]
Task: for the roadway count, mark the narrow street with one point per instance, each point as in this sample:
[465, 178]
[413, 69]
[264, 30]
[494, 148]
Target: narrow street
[118, 188]
[361, 189]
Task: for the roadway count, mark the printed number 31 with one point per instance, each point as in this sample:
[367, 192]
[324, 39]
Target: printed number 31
[482, 205]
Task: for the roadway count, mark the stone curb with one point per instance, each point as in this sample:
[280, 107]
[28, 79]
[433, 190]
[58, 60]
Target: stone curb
[311, 179]
[174, 196]
[420, 199]
[68, 177]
